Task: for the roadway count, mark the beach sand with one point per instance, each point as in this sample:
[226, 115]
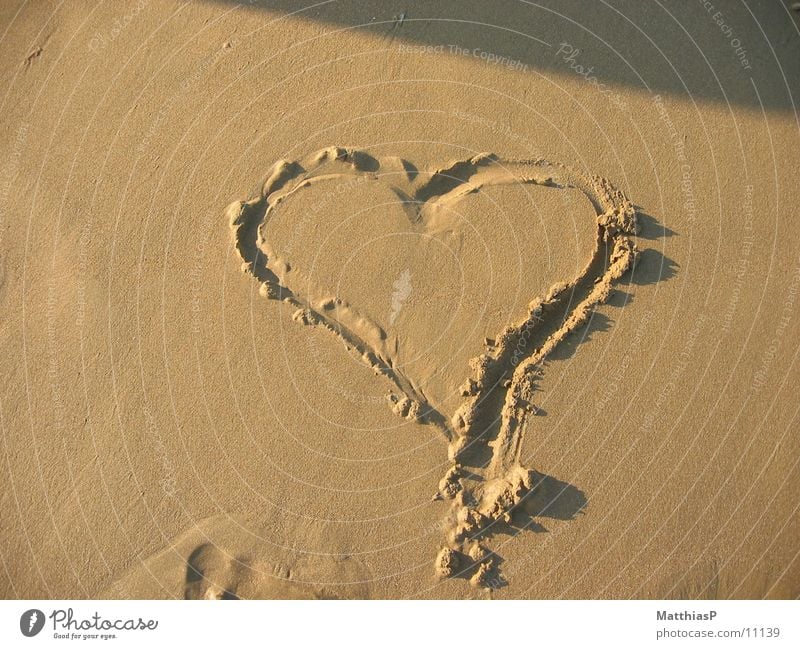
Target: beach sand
[399, 300]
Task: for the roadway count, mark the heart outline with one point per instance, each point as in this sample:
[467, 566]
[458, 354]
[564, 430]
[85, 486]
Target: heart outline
[479, 501]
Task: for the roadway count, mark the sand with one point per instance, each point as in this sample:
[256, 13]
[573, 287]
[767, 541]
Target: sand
[399, 300]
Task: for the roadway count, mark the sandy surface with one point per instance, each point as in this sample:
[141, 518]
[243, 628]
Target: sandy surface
[399, 299]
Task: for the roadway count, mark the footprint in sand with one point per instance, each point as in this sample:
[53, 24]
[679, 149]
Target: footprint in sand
[228, 557]
[486, 481]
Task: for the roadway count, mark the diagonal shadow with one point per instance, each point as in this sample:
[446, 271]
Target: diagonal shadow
[727, 55]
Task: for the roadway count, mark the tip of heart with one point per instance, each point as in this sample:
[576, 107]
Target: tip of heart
[486, 482]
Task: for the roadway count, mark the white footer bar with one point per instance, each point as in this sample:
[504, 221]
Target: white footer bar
[406, 624]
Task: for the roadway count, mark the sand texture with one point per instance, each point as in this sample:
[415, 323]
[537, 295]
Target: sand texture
[399, 300]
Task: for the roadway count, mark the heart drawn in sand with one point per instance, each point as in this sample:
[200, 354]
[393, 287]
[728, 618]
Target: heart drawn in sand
[486, 480]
